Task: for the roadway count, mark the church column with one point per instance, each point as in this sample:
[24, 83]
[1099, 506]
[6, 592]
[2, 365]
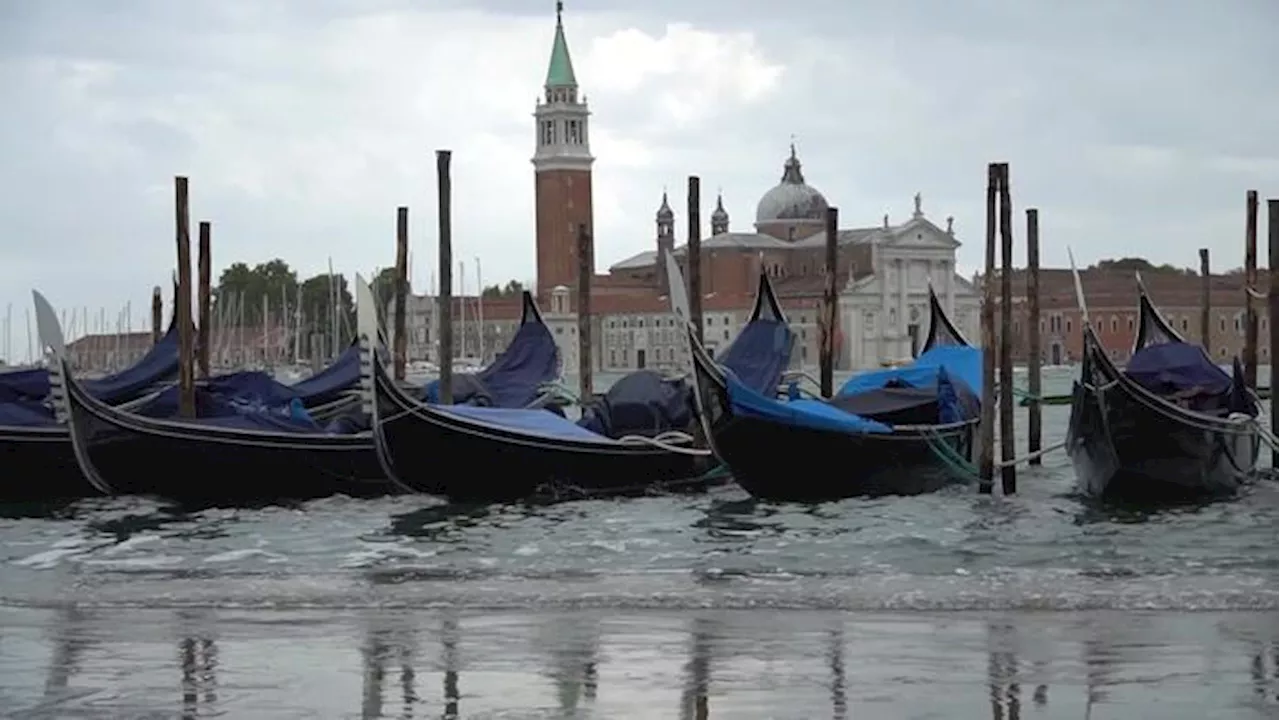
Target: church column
[949, 287]
[882, 349]
[903, 267]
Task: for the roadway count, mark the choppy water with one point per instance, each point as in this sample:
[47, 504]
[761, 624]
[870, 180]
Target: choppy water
[1160, 614]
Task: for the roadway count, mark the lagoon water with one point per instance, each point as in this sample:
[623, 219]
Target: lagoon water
[951, 605]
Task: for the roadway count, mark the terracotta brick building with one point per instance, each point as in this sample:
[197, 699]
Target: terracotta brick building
[1112, 300]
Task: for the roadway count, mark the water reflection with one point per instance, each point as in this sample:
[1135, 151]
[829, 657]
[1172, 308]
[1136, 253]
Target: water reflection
[69, 641]
[713, 664]
[1002, 671]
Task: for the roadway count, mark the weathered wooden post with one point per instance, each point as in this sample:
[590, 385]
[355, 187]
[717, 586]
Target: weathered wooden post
[1251, 285]
[205, 261]
[445, 309]
[402, 290]
[693, 255]
[1008, 443]
[987, 416]
[1206, 284]
[317, 352]
[182, 302]
[1034, 410]
[586, 268]
[1273, 322]
[826, 352]
[157, 315]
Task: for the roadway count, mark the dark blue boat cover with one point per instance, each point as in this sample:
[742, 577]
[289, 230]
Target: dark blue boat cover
[760, 354]
[25, 413]
[329, 383]
[160, 363]
[1177, 367]
[512, 380]
[641, 403]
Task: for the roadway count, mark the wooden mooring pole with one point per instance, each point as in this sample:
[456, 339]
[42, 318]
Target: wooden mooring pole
[826, 352]
[204, 297]
[157, 315]
[1273, 322]
[445, 310]
[182, 302]
[402, 290]
[586, 269]
[1008, 442]
[1206, 284]
[693, 255]
[986, 422]
[1250, 353]
[1034, 411]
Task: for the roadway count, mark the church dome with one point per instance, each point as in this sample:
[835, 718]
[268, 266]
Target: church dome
[791, 199]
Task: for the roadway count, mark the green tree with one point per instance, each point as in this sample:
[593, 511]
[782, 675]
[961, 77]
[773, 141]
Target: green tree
[513, 288]
[317, 307]
[272, 282]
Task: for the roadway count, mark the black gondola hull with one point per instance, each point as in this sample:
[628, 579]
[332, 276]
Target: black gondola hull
[768, 458]
[1125, 448]
[40, 464]
[441, 453]
[188, 462]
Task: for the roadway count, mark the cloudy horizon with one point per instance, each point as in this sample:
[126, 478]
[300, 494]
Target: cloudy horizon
[1135, 127]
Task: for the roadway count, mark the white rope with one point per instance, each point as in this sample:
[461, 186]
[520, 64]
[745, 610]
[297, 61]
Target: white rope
[1032, 456]
[667, 441]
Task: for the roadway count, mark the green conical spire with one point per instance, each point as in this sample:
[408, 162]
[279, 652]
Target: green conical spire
[560, 71]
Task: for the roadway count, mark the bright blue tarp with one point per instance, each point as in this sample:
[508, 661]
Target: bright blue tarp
[760, 354]
[962, 363]
[160, 363]
[536, 423]
[813, 414]
[512, 380]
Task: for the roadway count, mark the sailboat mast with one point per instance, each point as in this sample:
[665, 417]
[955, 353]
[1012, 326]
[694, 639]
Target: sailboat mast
[462, 308]
[479, 313]
[297, 325]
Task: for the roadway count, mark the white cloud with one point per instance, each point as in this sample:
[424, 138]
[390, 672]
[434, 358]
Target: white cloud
[302, 126]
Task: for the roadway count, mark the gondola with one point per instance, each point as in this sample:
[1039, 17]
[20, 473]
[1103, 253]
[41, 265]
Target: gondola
[491, 454]
[31, 436]
[645, 402]
[903, 430]
[1171, 426]
[36, 457]
[249, 457]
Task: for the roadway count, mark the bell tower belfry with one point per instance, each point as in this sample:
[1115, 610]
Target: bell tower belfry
[562, 169]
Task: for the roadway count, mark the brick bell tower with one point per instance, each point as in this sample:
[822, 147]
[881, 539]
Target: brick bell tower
[562, 170]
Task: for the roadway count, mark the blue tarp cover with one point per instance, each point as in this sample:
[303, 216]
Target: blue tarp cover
[1175, 367]
[534, 423]
[813, 414]
[962, 363]
[641, 403]
[760, 354]
[513, 378]
[160, 363]
[332, 381]
[25, 413]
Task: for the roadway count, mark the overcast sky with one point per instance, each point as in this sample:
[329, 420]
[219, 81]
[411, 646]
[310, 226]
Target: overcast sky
[1135, 126]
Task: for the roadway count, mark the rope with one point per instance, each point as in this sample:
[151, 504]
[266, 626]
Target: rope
[667, 441]
[951, 457]
[1032, 456]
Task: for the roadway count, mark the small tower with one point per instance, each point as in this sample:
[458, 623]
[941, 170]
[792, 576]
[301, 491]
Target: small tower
[562, 168]
[666, 221]
[719, 218]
